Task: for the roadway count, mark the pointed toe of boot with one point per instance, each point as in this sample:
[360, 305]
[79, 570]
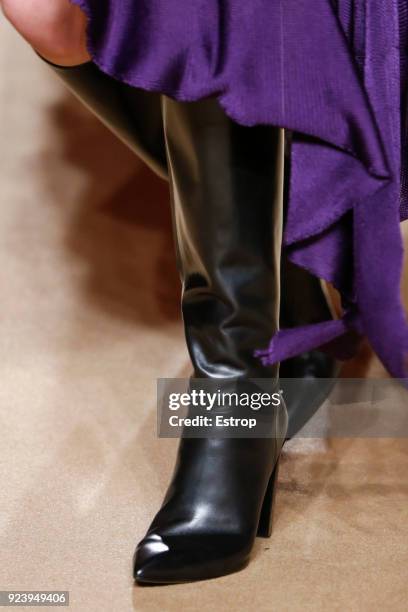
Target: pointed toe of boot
[157, 570]
[184, 560]
[147, 559]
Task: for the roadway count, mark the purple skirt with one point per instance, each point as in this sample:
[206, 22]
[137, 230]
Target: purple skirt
[331, 71]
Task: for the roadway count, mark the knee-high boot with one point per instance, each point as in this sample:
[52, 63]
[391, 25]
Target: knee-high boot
[135, 116]
[227, 189]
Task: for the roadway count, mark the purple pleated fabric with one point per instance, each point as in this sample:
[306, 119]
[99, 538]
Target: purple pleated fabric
[331, 71]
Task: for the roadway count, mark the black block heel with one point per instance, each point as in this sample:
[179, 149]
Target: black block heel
[266, 518]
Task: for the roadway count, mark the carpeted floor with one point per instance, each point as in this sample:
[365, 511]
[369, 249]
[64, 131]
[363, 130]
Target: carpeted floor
[89, 318]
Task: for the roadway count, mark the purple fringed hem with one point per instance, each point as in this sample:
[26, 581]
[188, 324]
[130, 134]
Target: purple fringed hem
[330, 74]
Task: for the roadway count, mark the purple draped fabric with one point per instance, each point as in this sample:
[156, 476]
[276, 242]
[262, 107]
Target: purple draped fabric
[331, 71]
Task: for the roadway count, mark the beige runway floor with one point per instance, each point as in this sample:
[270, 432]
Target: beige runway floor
[89, 318]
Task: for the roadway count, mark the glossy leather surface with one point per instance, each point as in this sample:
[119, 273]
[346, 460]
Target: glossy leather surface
[135, 116]
[227, 187]
[227, 203]
[210, 515]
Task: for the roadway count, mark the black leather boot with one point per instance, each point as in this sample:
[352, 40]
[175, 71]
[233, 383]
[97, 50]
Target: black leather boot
[132, 114]
[306, 380]
[227, 187]
[135, 116]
